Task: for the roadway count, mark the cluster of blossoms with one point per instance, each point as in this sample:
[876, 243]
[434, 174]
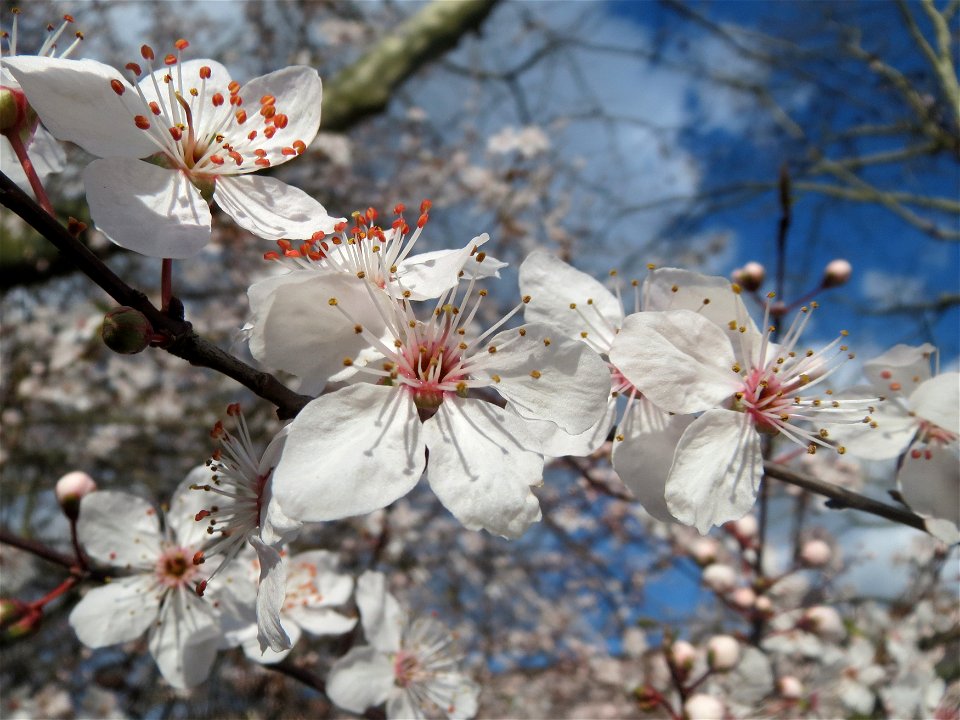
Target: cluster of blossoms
[419, 389]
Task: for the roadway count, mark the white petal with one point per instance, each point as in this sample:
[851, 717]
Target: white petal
[678, 359]
[428, 275]
[350, 452]
[553, 285]
[379, 611]
[321, 621]
[931, 485]
[644, 456]
[119, 529]
[270, 208]
[901, 369]
[554, 442]
[146, 208]
[75, 101]
[360, 679]
[938, 400]
[298, 94]
[116, 612]
[707, 295]
[184, 642]
[321, 567]
[271, 592]
[716, 470]
[894, 430]
[268, 656]
[184, 506]
[546, 376]
[481, 468]
[401, 705]
[296, 329]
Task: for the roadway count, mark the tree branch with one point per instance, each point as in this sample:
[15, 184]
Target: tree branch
[182, 341]
[843, 498]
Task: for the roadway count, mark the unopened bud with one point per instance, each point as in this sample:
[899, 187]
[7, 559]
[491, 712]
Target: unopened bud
[126, 330]
[790, 688]
[14, 111]
[703, 707]
[751, 276]
[723, 652]
[71, 489]
[719, 578]
[743, 597]
[837, 273]
[682, 654]
[763, 605]
[746, 527]
[11, 610]
[815, 553]
[704, 550]
[823, 621]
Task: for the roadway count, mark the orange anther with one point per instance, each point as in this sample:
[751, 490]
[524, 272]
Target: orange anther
[260, 152]
[262, 162]
[217, 431]
[270, 131]
[268, 111]
[272, 255]
[425, 206]
[217, 99]
[79, 35]
[233, 409]
[141, 122]
[251, 135]
[292, 253]
[205, 72]
[371, 214]
[422, 220]
[405, 229]
[197, 518]
[399, 208]
[288, 151]
[134, 68]
[267, 100]
[895, 386]
[176, 133]
[170, 59]
[915, 454]
[216, 160]
[237, 157]
[117, 86]
[280, 120]
[241, 116]
[300, 146]
[181, 44]
[318, 236]
[154, 107]
[233, 87]
[340, 227]
[68, 18]
[886, 374]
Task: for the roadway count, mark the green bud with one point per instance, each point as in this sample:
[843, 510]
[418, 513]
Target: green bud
[126, 330]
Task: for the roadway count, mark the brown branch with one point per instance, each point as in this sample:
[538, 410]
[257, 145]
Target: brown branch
[182, 340]
[843, 498]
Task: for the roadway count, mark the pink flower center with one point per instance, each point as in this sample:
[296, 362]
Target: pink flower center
[763, 398]
[406, 666]
[175, 567]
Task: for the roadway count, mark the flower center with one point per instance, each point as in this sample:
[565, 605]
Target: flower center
[406, 667]
[763, 399]
[199, 129]
[175, 568]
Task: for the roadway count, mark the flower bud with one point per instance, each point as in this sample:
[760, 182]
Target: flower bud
[823, 621]
[14, 110]
[682, 654]
[719, 577]
[815, 553]
[746, 527]
[743, 597]
[126, 330]
[703, 707]
[11, 610]
[751, 276]
[723, 652]
[763, 605]
[790, 688]
[71, 489]
[836, 273]
[704, 551]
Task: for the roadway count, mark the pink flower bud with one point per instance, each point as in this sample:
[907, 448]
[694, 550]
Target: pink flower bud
[703, 707]
[763, 605]
[743, 597]
[823, 621]
[837, 273]
[751, 276]
[815, 553]
[71, 489]
[723, 652]
[704, 550]
[719, 577]
[790, 688]
[746, 527]
[683, 654]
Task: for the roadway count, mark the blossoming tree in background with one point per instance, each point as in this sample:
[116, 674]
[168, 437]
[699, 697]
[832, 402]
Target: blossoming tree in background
[434, 495]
